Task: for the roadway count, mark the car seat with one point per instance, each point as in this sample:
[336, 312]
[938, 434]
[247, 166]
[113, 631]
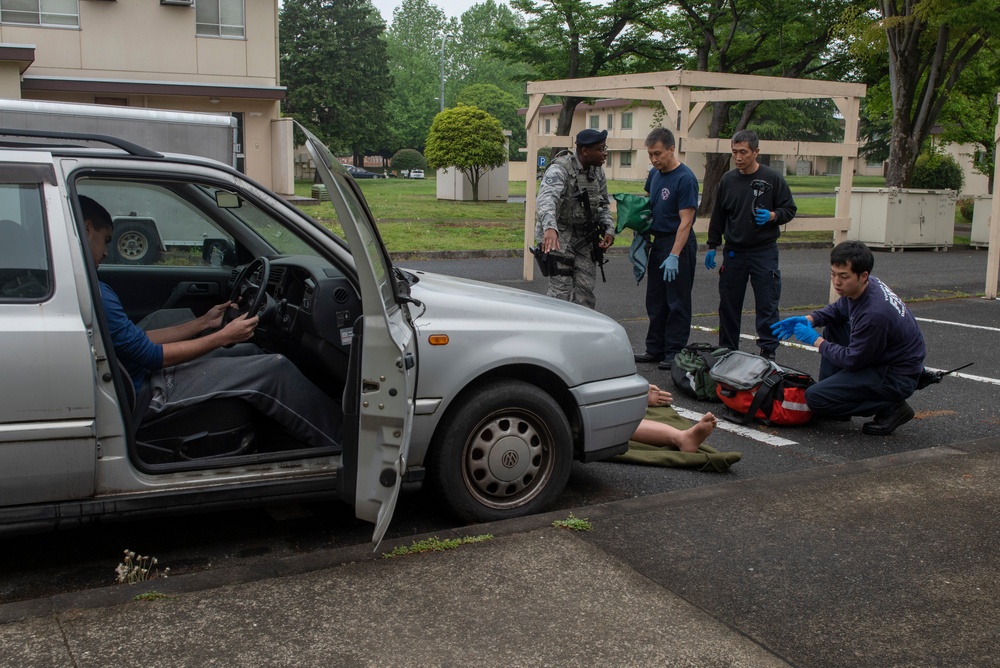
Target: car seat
[213, 429]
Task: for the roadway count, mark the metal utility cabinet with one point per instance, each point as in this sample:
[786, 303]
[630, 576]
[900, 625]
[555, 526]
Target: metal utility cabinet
[900, 218]
[980, 237]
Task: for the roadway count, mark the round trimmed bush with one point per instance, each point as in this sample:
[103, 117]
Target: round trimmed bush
[937, 171]
[406, 159]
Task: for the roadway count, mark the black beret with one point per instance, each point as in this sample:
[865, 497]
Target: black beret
[590, 137]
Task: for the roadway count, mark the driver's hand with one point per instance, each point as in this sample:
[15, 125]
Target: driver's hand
[239, 330]
[213, 317]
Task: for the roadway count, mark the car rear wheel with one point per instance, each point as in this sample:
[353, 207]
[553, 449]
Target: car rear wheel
[505, 451]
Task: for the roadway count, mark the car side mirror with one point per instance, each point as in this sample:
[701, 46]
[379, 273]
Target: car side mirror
[219, 252]
[227, 200]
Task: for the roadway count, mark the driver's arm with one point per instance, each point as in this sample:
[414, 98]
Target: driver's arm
[237, 331]
[212, 319]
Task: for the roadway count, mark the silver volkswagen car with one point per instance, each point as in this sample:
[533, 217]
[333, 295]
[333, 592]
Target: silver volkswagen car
[485, 393]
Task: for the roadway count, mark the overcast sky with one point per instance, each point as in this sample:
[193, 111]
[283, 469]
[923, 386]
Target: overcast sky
[450, 7]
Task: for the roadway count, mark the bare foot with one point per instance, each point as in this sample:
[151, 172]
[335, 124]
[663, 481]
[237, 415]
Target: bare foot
[695, 435]
[658, 397]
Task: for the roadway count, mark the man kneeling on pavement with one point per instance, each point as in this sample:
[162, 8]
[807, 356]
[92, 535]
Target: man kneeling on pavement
[872, 350]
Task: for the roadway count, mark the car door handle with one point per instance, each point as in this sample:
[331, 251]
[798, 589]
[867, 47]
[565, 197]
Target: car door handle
[199, 289]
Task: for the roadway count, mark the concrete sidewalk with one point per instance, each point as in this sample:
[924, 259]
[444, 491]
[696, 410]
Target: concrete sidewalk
[887, 561]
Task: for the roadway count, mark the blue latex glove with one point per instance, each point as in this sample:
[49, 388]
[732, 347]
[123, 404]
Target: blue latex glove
[806, 334]
[710, 259]
[669, 267]
[785, 329]
[761, 216]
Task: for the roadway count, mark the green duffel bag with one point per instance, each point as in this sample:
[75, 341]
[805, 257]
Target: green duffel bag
[633, 213]
[691, 370]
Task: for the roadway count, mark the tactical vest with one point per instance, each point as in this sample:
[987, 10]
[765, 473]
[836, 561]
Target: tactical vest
[570, 210]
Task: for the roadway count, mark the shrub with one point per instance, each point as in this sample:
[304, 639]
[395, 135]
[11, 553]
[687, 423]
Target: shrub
[937, 171]
[406, 159]
[966, 206]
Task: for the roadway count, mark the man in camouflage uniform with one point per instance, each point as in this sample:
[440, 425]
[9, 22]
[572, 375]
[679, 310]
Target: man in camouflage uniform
[561, 224]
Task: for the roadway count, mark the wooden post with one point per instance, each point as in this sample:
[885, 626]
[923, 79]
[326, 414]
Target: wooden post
[850, 109]
[535, 102]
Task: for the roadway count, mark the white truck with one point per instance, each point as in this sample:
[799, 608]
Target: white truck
[139, 237]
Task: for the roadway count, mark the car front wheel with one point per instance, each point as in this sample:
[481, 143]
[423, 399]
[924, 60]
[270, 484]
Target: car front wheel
[505, 451]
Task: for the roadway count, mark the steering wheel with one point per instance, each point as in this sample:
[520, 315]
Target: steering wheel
[248, 295]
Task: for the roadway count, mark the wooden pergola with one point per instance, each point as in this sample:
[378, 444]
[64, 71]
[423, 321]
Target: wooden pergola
[684, 95]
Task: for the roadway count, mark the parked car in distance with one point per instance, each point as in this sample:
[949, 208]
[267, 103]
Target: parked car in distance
[360, 173]
[416, 174]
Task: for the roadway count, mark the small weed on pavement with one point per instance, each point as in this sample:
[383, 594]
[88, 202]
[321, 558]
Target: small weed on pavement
[436, 545]
[574, 523]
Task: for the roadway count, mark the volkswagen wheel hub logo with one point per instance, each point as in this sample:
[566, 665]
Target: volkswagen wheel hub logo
[509, 459]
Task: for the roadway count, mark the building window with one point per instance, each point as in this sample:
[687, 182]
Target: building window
[610, 162]
[627, 120]
[595, 122]
[548, 126]
[611, 121]
[626, 160]
[220, 18]
[63, 13]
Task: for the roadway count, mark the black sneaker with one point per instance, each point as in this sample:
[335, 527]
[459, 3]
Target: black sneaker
[767, 354]
[646, 358]
[665, 365]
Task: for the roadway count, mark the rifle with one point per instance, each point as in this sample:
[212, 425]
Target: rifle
[593, 236]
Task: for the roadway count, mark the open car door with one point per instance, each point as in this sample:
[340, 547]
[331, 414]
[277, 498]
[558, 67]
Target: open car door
[383, 397]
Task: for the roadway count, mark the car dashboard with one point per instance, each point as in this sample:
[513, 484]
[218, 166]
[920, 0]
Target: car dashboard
[310, 317]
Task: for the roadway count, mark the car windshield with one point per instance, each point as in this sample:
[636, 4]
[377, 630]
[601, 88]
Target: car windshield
[348, 202]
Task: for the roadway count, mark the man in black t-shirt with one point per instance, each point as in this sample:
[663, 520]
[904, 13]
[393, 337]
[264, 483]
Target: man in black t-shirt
[751, 204]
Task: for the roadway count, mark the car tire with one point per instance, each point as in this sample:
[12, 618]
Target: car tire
[134, 243]
[505, 451]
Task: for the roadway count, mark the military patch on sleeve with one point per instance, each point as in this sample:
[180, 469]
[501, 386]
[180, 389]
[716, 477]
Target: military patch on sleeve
[551, 178]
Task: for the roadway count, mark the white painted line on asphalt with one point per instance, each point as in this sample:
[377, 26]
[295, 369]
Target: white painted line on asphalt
[750, 337]
[958, 324]
[739, 429]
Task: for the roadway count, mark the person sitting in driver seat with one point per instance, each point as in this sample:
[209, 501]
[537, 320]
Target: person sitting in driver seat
[176, 364]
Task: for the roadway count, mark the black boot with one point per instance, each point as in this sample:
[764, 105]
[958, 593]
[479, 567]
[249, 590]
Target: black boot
[886, 421]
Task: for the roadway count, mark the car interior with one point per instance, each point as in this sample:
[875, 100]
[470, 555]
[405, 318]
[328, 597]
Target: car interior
[214, 245]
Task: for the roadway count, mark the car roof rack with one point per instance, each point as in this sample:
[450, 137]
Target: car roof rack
[125, 145]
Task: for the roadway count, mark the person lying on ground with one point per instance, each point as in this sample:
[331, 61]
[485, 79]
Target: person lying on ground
[663, 435]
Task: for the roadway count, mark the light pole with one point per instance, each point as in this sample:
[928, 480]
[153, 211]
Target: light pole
[444, 38]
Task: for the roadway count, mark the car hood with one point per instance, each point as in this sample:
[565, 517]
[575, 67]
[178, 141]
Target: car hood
[493, 326]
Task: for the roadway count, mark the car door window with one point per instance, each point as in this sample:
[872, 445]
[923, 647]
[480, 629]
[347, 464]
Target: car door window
[24, 263]
[155, 224]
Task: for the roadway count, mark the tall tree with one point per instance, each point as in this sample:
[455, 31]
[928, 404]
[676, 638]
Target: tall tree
[342, 100]
[930, 44]
[786, 38]
[477, 40]
[414, 52]
[970, 117]
[570, 39]
[503, 107]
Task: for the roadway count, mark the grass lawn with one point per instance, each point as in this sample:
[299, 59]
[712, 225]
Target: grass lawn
[411, 218]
